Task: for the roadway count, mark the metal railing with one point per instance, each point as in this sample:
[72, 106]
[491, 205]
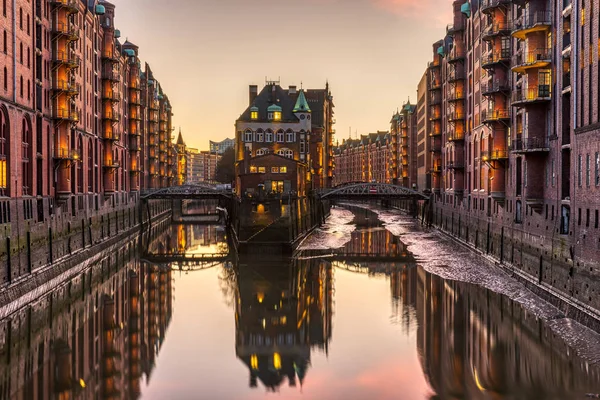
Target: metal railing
[528, 21]
[532, 57]
[532, 94]
[530, 144]
[495, 115]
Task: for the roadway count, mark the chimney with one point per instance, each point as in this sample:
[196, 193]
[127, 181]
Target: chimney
[253, 93]
[292, 90]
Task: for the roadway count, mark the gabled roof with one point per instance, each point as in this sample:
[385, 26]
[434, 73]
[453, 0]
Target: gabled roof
[271, 94]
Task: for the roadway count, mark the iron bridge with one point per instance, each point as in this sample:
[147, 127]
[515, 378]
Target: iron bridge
[186, 192]
[372, 190]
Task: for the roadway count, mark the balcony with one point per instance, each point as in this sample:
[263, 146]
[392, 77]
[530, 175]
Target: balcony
[435, 100]
[495, 86]
[435, 132]
[435, 116]
[66, 154]
[111, 76]
[71, 89]
[111, 136]
[135, 99]
[135, 145]
[451, 29]
[456, 96]
[495, 58]
[70, 5]
[434, 64]
[112, 96]
[63, 29]
[455, 75]
[488, 116]
[456, 56]
[111, 116]
[456, 116]
[455, 136]
[495, 29]
[436, 169]
[436, 146]
[455, 165]
[111, 164]
[65, 115]
[435, 85]
[489, 5]
[163, 117]
[111, 56]
[134, 85]
[538, 21]
[538, 58]
[533, 95]
[530, 145]
[64, 58]
[494, 155]
[135, 116]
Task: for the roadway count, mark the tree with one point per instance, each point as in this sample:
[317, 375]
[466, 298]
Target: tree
[226, 167]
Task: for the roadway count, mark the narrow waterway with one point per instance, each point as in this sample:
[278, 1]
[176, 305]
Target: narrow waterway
[372, 307]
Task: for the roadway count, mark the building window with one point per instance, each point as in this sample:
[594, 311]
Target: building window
[282, 170]
[253, 169]
[269, 136]
[253, 115]
[277, 186]
[286, 153]
[262, 152]
[579, 170]
[587, 170]
[5, 79]
[277, 116]
[260, 137]
[4, 147]
[280, 136]
[90, 166]
[597, 169]
[290, 137]
[274, 170]
[5, 46]
[262, 170]
[21, 18]
[26, 164]
[248, 136]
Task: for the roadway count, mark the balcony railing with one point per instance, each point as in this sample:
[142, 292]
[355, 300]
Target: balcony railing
[488, 5]
[111, 164]
[456, 55]
[453, 28]
[111, 56]
[495, 29]
[65, 29]
[111, 76]
[62, 153]
[454, 136]
[63, 57]
[112, 116]
[435, 85]
[71, 5]
[495, 86]
[456, 75]
[494, 155]
[455, 165]
[435, 100]
[65, 114]
[112, 96]
[436, 169]
[65, 86]
[535, 21]
[456, 116]
[495, 57]
[433, 64]
[540, 93]
[537, 58]
[456, 96]
[530, 145]
[112, 136]
[495, 115]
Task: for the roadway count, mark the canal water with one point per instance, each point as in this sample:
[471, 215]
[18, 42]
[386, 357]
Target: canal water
[372, 307]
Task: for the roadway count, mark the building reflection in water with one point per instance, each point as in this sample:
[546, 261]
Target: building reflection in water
[96, 336]
[187, 239]
[283, 311]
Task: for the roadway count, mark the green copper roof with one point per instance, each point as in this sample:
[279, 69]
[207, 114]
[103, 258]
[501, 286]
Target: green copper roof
[466, 9]
[301, 103]
[100, 9]
[253, 108]
[117, 33]
[440, 51]
[129, 52]
[273, 108]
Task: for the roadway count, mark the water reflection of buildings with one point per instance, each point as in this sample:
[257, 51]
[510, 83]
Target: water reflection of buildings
[96, 336]
[472, 341]
[283, 312]
[170, 238]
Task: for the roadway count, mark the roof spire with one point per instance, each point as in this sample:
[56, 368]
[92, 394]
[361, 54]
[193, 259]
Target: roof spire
[180, 141]
[301, 103]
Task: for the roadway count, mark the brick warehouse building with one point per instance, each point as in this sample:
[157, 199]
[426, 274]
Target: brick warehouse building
[514, 116]
[292, 124]
[83, 128]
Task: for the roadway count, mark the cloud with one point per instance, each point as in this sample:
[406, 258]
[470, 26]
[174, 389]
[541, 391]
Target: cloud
[439, 12]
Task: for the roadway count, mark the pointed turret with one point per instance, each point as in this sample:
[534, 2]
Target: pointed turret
[301, 104]
[180, 141]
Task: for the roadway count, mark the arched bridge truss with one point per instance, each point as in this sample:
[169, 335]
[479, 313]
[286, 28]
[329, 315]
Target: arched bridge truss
[186, 192]
[372, 190]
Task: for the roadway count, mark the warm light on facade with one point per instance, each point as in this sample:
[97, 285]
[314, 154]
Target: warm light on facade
[276, 361]
[277, 116]
[254, 362]
[3, 174]
[260, 297]
[254, 115]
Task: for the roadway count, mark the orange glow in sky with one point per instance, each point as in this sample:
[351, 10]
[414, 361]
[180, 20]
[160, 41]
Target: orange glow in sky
[205, 53]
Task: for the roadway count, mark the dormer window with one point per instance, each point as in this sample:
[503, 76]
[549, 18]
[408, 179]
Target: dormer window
[254, 113]
[277, 116]
[274, 112]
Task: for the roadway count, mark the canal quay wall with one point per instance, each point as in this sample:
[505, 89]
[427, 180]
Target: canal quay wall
[35, 253]
[564, 270]
[276, 226]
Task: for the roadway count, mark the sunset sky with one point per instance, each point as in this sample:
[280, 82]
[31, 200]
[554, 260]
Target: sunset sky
[205, 53]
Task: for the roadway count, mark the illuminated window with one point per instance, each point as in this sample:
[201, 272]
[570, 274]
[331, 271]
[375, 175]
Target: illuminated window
[274, 170]
[277, 116]
[253, 169]
[262, 170]
[277, 186]
[4, 138]
[254, 362]
[254, 113]
[276, 361]
[282, 170]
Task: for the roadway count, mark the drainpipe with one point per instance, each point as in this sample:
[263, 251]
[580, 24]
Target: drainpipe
[14, 14]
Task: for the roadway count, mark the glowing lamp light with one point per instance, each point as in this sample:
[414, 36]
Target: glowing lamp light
[254, 362]
[82, 383]
[276, 361]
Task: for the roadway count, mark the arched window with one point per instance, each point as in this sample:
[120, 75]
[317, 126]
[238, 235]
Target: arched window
[248, 136]
[286, 153]
[90, 167]
[4, 8]
[260, 136]
[28, 89]
[21, 52]
[280, 136]
[5, 46]
[28, 29]
[26, 157]
[262, 152]
[28, 57]
[5, 79]
[21, 18]
[290, 137]
[4, 151]
[269, 136]
[21, 87]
